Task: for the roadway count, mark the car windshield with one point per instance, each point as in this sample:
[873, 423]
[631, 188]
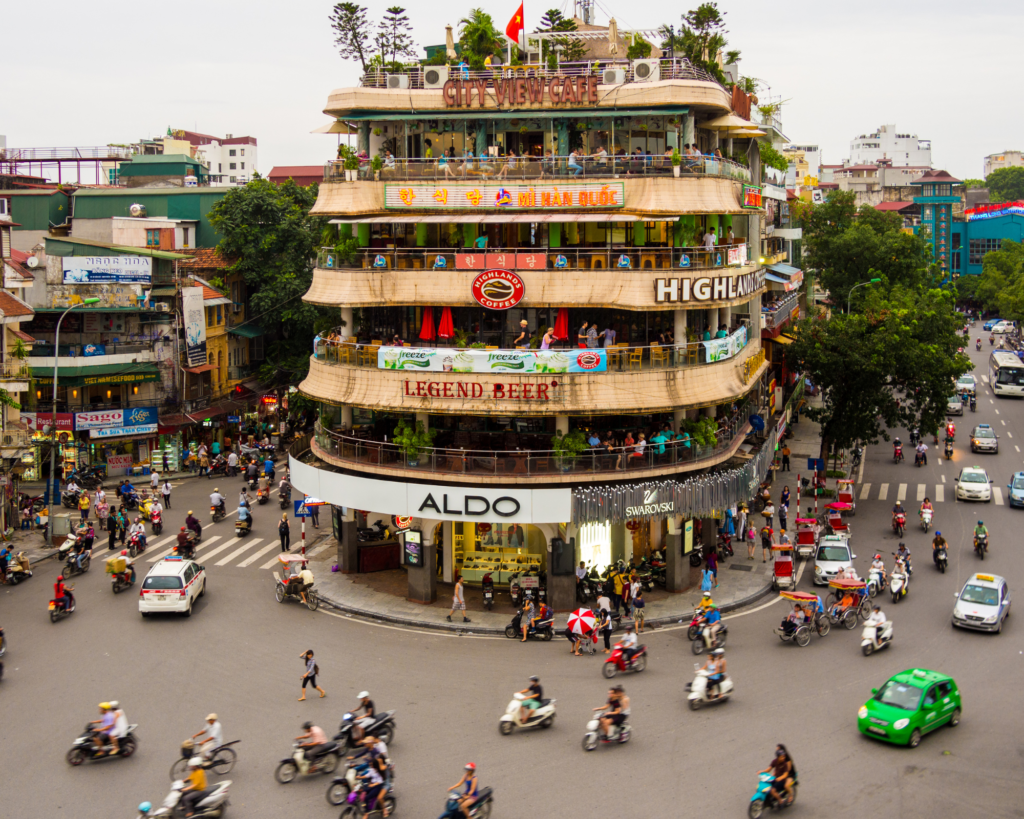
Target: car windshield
[966, 380]
[1018, 482]
[1011, 375]
[162, 582]
[899, 695]
[973, 477]
[954, 400]
[982, 595]
[984, 433]
[833, 553]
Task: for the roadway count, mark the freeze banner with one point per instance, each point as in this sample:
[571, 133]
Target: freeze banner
[527, 362]
[719, 349]
[195, 325]
[107, 269]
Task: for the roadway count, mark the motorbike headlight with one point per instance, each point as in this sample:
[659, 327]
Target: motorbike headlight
[900, 724]
[863, 712]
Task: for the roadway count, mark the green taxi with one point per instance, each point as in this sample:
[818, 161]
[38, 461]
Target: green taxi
[909, 705]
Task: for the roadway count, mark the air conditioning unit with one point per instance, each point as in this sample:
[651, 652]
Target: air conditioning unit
[434, 76]
[398, 80]
[646, 70]
[163, 307]
[613, 76]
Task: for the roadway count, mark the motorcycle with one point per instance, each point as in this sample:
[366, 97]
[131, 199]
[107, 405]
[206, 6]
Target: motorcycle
[487, 586]
[3, 650]
[218, 513]
[876, 581]
[542, 630]
[616, 661]
[218, 467]
[915, 437]
[73, 567]
[157, 521]
[262, 496]
[704, 641]
[210, 806]
[940, 559]
[948, 451]
[899, 582]
[243, 527]
[58, 611]
[18, 569]
[899, 523]
[543, 716]
[596, 736]
[131, 502]
[920, 459]
[357, 807]
[285, 497]
[85, 747]
[897, 454]
[339, 790]
[382, 727]
[978, 345]
[763, 799]
[858, 453]
[120, 574]
[370, 534]
[698, 689]
[480, 809]
[69, 499]
[135, 546]
[871, 642]
[980, 545]
[926, 519]
[991, 340]
[974, 403]
[324, 761]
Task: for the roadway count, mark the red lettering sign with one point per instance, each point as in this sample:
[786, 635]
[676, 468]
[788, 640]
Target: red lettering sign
[531, 261]
[516, 390]
[470, 261]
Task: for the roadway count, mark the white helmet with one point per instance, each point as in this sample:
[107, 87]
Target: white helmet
[195, 762]
[364, 694]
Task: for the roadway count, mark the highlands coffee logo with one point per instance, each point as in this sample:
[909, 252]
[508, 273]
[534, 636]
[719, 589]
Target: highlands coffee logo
[650, 506]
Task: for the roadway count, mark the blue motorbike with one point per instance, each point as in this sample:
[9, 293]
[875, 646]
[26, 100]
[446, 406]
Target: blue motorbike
[763, 800]
[480, 809]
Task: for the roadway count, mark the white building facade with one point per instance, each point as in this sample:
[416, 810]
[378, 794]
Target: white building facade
[1006, 159]
[888, 144]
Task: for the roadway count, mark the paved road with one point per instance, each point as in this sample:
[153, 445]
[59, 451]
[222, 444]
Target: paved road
[238, 655]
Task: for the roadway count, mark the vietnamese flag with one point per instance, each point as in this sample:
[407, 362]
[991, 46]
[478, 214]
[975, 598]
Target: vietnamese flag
[515, 25]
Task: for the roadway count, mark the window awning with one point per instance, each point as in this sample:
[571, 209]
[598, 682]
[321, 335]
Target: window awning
[777, 279]
[163, 291]
[214, 302]
[99, 374]
[503, 218]
[784, 269]
[246, 331]
[782, 339]
[202, 368]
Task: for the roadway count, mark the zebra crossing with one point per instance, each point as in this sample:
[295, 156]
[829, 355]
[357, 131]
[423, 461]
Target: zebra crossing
[241, 552]
[922, 491]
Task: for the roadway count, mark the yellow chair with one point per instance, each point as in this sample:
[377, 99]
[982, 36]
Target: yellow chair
[636, 357]
[659, 355]
[597, 262]
[368, 355]
[495, 347]
[377, 342]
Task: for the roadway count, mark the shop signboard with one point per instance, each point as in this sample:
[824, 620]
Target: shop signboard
[94, 349]
[107, 269]
[498, 289]
[195, 325]
[101, 419]
[122, 432]
[752, 197]
[234, 419]
[738, 254]
[512, 391]
[518, 92]
[119, 462]
[526, 362]
[38, 420]
[412, 554]
[719, 349]
[496, 196]
[707, 288]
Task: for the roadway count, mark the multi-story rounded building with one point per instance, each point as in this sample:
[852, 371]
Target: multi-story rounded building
[547, 322]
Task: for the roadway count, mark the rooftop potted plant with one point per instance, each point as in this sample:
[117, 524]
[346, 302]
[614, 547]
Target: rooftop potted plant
[461, 338]
[412, 439]
[677, 160]
[375, 165]
[568, 448]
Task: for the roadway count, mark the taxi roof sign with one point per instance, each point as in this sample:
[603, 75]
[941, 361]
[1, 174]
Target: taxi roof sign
[986, 577]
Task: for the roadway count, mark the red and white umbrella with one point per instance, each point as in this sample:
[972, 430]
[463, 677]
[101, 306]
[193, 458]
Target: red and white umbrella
[582, 621]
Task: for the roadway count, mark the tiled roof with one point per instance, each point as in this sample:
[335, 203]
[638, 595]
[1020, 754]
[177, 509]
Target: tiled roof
[13, 306]
[207, 258]
[208, 292]
[936, 177]
[893, 205]
[23, 336]
[22, 270]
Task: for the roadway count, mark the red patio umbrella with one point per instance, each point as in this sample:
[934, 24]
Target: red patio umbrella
[445, 327]
[562, 325]
[427, 330]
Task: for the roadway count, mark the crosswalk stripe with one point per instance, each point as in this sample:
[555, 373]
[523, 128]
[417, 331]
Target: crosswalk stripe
[1009, 434]
[253, 558]
[997, 412]
[243, 548]
[865, 490]
[883, 491]
[1002, 422]
[984, 378]
[901, 493]
[920, 492]
[940, 493]
[225, 545]
[170, 551]
[997, 495]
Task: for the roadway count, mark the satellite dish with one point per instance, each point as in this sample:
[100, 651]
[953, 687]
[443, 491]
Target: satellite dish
[33, 262]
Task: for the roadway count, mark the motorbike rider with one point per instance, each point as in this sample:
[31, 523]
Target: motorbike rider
[879, 565]
[192, 522]
[876, 620]
[981, 530]
[195, 791]
[472, 789]
[616, 710]
[310, 742]
[926, 504]
[244, 514]
[715, 666]
[62, 594]
[529, 615]
[543, 613]
[897, 446]
[532, 703]
[977, 346]
[243, 497]
[137, 528]
[714, 620]
[903, 554]
[214, 736]
[217, 500]
[938, 542]
[922, 452]
[80, 550]
[629, 645]
[105, 732]
[781, 768]
[251, 471]
[950, 431]
[184, 543]
[268, 467]
[366, 720]
[898, 510]
[129, 565]
[144, 809]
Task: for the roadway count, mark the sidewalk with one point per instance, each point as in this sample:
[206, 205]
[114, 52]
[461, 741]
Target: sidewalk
[381, 596]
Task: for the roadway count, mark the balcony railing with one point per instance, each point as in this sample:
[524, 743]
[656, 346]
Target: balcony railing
[620, 357]
[560, 168]
[338, 447]
[556, 258]
[775, 317]
[676, 69]
[15, 370]
[44, 350]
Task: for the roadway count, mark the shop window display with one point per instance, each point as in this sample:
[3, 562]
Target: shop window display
[501, 549]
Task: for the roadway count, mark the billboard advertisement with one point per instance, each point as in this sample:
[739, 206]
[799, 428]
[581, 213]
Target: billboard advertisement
[195, 325]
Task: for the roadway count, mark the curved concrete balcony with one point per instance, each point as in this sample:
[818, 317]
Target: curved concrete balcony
[652, 386]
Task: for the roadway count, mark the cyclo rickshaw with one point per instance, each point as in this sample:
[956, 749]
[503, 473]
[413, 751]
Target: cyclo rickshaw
[808, 530]
[848, 600]
[297, 581]
[845, 494]
[835, 518]
[815, 618]
[783, 570]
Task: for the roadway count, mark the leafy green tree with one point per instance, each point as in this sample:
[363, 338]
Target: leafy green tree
[703, 36]
[478, 38]
[351, 32]
[573, 49]
[394, 35]
[1006, 185]
[772, 157]
[890, 366]
[1001, 283]
[269, 230]
[970, 184]
[639, 48]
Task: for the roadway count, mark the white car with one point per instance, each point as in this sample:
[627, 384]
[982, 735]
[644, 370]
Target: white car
[983, 603]
[832, 556]
[973, 484]
[966, 382]
[172, 585]
[1003, 327]
[954, 406]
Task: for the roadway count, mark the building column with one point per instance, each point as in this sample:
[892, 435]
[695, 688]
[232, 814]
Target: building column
[714, 142]
[423, 418]
[555, 234]
[725, 316]
[346, 322]
[563, 138]
[421, 234]
[708, 412]
[562, 424]
[348, 546]
[344, 232]
[678, 416]
[363, 235]
[561, 588]
[688, 130]
[619, 533]
[446, 551]
[728, 147]
[468, 234]
[679, 329]
[422, 579]
[713, 321]
[481, 137]
[677, 559]
[363, 138]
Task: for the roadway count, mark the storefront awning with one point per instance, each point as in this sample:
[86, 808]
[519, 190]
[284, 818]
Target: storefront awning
[202, 368]
[100, 374]
[777, 279]
[784, 269]
[503, 218]
[781, 339]
[246, 331]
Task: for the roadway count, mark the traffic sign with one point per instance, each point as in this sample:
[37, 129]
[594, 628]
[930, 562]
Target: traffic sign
[816, 464]
[301, 510]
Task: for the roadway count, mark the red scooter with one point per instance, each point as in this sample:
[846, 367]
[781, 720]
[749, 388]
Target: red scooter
[157, 520]
[899, 523]
[135, 546]
[696, 625]
[616, 661]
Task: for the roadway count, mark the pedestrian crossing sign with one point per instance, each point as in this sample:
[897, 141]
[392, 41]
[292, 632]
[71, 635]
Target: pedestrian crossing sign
[301, 510]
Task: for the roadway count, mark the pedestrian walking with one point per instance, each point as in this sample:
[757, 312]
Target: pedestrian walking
[285, 531]
[638, 611]
[785, 457]
[713, 565]
[83, 505]
[167, 494]
[167, 465]
[783, 511]
[309, 676]
[766, 543]
[706, 579]
[111, 531]
[751, 541]
[314, 516]
[606, 630]
[458, 601]
[769, 513]
[204, 465]
[743, 521]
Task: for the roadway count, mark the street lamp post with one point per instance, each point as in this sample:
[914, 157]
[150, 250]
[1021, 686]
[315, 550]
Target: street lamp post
[54, 483]
[862, 284]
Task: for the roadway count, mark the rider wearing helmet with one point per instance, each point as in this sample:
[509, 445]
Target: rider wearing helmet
[195, 790]
[137, 528]
[938, 542]
[903, 554]
[369, 715]
[105, 731]
[144, 809]
[980, 530]
[472, 788]
[533, 700]
[715, 665]
[879, 565]
[129, 564]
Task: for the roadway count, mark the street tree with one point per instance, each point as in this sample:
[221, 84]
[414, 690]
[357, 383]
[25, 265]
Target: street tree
[891, 365]
[351, 32]
[395, 36]
[478, 38]
[1006, 185]
[703, 37]
[573, 49]
[1001, 283]
[269, 230]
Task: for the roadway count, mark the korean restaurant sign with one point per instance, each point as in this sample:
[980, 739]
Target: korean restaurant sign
[752, 197]
[591, 196]
[514, 93]
[707, 288]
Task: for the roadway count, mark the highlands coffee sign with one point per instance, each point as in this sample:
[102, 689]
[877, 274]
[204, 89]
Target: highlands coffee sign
[498, 289]
[707, 288]
[520, 91]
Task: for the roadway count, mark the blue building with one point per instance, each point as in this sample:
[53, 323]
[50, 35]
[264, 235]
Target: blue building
[984, 229]
[939, 192]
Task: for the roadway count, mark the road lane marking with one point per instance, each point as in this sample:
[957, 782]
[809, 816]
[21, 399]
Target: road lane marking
[865, 490]
[243, 548]
[883, 491]
[920, 492]
[226, 545]
[997, 412]
[901, 493]
[1009, 434]
[1016, 447]
[1002, 422]
[943, 477]
[940, 493]
[984, 378]
[997, 495]
[991, 401]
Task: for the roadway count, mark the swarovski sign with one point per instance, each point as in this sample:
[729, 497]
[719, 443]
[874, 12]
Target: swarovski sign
[653, 505]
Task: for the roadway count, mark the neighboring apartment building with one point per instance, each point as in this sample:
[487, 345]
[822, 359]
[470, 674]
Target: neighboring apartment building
[33, 213]
[938, 194]
[456, 261]
[1006, 159]
[228, 160]
[887, 144]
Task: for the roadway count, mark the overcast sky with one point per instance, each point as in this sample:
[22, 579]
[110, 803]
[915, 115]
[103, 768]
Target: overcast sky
[104, 71]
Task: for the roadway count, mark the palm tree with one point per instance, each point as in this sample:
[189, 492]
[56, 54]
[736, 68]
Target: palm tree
[478, 37]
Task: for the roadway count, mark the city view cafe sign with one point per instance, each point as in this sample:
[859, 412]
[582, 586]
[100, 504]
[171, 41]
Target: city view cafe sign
[520, 91]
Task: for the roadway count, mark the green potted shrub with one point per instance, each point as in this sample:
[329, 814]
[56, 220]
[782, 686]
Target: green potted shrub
[677, 160]
[375, 165]
[461, 339]
[412, 439]
[568, 448]
[477, 345]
